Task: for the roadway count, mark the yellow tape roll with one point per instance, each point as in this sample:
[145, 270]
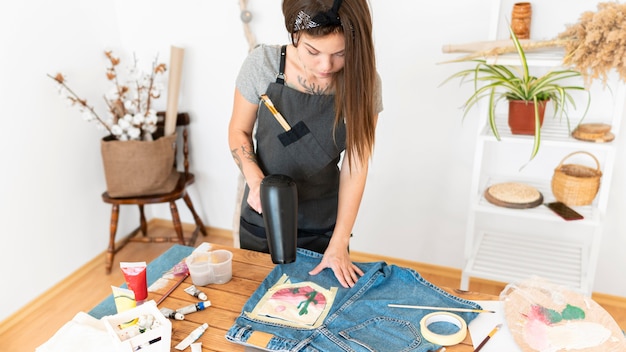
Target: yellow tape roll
[443, 340]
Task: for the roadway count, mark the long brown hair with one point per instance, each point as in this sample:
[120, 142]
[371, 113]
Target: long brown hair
[354, 85]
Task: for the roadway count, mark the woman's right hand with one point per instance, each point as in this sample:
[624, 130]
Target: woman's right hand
[254, 195]
[242, 148]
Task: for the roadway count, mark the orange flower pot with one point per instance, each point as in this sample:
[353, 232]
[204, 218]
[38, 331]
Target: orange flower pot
[522, 116]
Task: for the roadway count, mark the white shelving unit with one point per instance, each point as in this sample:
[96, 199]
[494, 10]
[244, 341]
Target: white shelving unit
[508, 245]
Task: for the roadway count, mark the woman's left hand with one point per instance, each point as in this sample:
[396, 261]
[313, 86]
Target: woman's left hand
[338, 260]
[337, 257]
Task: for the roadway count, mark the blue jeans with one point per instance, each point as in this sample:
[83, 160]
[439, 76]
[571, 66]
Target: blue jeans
[359, 318]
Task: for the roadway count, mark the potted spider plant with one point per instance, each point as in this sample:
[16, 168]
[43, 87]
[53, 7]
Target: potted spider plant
[526, 94]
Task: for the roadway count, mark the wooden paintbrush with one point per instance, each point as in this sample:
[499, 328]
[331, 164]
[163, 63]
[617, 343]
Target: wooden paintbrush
[172, 288]
[449, 309]
[281, 120]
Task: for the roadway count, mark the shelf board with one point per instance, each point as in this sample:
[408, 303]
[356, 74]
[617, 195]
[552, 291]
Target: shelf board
[510, 257]
[590, 212]
[549, 57]
[554, 131]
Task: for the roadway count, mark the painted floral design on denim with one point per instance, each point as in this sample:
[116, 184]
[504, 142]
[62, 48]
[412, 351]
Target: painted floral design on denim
[298, 300]
[303, 304]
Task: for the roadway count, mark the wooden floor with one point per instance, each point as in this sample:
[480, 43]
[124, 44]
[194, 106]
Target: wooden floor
[84, 289]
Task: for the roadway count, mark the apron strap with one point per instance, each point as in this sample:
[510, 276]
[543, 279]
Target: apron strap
[280, 78]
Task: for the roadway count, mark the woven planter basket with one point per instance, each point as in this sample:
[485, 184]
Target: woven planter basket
[139, 168]
[575, 184]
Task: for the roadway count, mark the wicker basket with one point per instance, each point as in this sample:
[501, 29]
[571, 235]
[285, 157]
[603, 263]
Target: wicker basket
[575, 184]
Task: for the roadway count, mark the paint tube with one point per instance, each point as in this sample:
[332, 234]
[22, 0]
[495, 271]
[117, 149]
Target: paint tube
[172, 314]
[135, 276]
[124, 300]
[193, 290]
[125, 332]
[193, 336]
[145, 322]
[193, 307]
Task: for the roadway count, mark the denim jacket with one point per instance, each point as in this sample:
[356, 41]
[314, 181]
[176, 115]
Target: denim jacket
[354, 319]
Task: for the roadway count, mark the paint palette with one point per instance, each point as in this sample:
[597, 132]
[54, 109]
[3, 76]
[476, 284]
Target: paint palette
[543, 316]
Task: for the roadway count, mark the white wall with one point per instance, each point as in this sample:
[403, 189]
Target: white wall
[416, 202]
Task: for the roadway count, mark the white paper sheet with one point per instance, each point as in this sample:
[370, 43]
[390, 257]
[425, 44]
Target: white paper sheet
[480, 327]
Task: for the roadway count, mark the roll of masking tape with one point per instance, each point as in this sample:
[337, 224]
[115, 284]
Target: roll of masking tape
[443, 340]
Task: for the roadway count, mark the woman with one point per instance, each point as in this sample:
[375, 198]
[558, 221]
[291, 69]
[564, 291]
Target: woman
[326, 86]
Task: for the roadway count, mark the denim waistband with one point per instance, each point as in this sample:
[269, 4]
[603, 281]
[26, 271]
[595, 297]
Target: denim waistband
[359, 318]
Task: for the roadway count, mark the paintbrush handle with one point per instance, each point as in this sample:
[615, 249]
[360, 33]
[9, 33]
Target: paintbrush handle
[172, 288]
[489, 336]
[449, 309]
[281, 120]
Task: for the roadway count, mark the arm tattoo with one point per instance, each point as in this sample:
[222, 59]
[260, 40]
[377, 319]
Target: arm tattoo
[247, 152]
[233, 152]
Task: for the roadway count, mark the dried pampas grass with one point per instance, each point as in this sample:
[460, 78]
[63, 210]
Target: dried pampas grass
[595, 45]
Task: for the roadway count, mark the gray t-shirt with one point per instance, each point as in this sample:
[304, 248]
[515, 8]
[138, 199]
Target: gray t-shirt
[261, 68]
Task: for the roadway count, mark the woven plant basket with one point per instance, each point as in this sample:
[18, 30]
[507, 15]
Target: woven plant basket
[575, 184]
[139, 168]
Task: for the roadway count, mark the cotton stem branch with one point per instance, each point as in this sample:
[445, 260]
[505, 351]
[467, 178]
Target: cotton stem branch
[76, 99]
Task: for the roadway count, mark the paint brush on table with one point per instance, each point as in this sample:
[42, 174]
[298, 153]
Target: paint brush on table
[489, 336]
[172, 288]
[449, 309]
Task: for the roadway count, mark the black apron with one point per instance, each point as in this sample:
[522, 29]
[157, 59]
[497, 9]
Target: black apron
[309, 153]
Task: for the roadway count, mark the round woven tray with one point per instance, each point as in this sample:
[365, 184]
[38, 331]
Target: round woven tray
[513, 195]
[593, 132]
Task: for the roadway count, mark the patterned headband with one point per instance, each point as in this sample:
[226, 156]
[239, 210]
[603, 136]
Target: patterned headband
[328, 18]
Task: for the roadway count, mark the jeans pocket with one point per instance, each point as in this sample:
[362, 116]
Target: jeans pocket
[304, 149]
[384, 334]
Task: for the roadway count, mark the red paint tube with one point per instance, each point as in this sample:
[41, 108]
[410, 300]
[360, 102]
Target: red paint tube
[135, 277]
